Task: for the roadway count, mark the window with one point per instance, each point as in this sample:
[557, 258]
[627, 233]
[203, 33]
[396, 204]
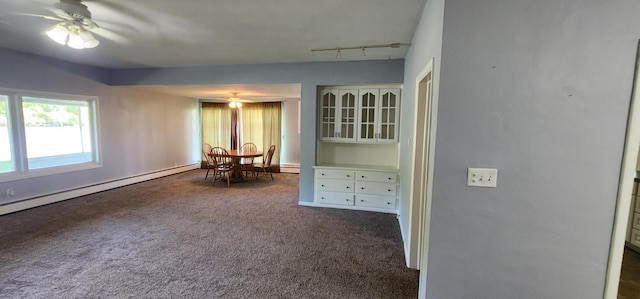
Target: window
[259, 123]
[6, 164]
[44, 133]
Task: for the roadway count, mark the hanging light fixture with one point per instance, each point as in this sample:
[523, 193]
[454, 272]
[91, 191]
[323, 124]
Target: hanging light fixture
[73, 35]
[234, 101]
[58, 33]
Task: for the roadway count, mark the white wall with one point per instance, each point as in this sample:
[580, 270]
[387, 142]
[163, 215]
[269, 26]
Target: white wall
[140, 132]
[290, 132]
[539, 90]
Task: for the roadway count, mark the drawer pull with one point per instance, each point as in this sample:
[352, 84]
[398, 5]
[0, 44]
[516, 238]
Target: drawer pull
[362, 188]
[389, 190]
[348, 176]
[322, 174]
[388, 203]
[389, 178]
[362, 176]
[348, 187]
[322, 197]
[362, 200]
[322, 185]
[346, 199]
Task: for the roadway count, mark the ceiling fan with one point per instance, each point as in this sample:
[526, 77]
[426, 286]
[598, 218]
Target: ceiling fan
[75, 25]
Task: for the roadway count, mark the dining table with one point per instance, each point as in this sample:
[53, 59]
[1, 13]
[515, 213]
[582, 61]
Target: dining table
[237, 155]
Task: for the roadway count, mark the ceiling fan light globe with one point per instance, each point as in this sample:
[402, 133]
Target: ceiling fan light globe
[58, 33]
[232, 104]
[238, 104]
[75, 41]
[89, 40]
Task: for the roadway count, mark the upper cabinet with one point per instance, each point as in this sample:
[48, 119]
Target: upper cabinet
[378, 115]
[338, 114]
[367, 115]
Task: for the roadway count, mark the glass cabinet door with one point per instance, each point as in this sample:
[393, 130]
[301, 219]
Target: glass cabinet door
[328, 105]
[347, 113]
[367, 130]
[389, 99]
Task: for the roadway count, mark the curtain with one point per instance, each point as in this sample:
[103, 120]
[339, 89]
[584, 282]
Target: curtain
[271, 133]
[216, 125]
[250, 122]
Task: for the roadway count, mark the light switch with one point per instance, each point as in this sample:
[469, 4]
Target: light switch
[482, 177]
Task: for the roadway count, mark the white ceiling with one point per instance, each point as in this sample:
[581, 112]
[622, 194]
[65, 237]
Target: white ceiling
[170, 33]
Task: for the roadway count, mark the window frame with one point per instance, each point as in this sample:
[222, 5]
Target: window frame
[17, 134]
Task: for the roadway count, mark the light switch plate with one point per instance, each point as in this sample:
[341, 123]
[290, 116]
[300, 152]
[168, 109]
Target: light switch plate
[482, 177]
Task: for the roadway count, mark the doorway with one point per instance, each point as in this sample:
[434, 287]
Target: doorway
[422, 169]
[623, 203]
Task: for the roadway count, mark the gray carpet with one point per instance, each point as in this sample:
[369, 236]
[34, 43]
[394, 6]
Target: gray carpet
[179, 237]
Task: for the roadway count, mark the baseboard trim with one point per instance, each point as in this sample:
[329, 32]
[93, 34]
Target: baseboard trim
[359, 208]
[81, 191]
[405, 246]
[632, 246]
[290, 168]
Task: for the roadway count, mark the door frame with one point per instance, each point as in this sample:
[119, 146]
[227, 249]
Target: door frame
[625, 187]
[422, 170]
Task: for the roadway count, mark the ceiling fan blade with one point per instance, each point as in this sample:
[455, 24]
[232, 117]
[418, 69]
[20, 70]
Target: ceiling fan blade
[113, 26]
[41, 16]
[110, 35]
[125, 9]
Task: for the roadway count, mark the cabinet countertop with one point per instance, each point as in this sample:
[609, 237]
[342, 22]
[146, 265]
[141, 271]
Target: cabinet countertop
[358, 167]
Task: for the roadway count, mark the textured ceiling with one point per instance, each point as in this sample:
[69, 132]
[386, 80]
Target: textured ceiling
[170, 33]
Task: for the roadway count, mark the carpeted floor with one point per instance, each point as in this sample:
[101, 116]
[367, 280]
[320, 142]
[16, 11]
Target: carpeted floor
[179, 237]
[629, 285]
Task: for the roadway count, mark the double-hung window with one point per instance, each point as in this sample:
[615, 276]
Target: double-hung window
[46, 133]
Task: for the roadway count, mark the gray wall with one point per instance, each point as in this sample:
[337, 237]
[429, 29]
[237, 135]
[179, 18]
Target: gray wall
[541, 91]
[426, 44]
[310, 75]
[141, 132]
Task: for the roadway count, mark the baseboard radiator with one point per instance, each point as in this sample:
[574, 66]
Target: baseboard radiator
[69, 194]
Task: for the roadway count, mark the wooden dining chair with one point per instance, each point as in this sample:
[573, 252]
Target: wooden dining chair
[207, 159]
[223, 164]
[265, 166]
[246, 164]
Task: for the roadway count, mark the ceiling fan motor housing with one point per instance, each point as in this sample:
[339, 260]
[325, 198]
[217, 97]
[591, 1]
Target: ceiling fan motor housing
[74, 9]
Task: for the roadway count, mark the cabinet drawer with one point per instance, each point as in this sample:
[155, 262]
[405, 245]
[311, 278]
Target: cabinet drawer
[374, 201]
[376, 188]
[635, 237]
[335, 198]
[334, 174]
[334, 185]
[376, 176]
[636, 220]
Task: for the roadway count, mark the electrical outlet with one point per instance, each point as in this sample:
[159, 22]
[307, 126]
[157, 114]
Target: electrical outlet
[10, 193]
[482, 177]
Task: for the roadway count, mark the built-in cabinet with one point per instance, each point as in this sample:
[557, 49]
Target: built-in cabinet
[357, 159]
[357, 187]
[359, 115]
